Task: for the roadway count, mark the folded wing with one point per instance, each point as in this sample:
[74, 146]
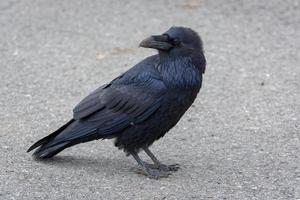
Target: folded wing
[126, 101]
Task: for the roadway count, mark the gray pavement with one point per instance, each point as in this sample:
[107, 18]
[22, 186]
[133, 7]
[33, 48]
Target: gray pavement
[240, 140]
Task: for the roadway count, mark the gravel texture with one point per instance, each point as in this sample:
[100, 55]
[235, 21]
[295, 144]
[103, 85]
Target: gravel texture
[240, 139]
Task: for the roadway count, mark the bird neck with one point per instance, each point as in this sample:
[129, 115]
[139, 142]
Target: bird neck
[179, 72]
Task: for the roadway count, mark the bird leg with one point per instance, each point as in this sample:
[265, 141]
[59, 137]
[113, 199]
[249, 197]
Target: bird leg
[149, 171]
[157, 164]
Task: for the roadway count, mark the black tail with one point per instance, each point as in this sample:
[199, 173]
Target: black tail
[48, 151]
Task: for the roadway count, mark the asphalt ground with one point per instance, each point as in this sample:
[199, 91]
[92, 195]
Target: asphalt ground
[240, 139]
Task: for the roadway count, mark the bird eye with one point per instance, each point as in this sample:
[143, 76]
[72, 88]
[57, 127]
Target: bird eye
[167, 36]
[176, 41]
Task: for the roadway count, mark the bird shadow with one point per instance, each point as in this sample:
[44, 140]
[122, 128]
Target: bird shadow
[92, 165]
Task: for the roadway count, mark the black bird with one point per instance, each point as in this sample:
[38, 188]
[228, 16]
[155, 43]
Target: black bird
[139, 106]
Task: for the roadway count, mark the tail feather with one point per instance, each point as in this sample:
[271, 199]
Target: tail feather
[43, 151]
[72, 133]
[48, 152]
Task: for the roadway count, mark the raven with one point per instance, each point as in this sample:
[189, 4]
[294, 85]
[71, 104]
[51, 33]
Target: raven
[139, 106]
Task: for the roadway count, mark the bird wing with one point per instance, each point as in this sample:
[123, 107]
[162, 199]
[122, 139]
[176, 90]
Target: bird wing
[127, 100]
[126, 94]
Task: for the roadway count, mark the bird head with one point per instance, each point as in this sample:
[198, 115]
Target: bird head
[175, 41]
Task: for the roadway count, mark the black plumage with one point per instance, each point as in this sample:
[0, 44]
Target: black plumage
[141, 105]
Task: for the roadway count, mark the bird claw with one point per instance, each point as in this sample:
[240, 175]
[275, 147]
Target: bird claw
[162, 167]
[153, 173]
[156, 173]
[172, 168]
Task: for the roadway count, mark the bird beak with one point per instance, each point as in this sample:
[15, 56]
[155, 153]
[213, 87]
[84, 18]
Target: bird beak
[159, 42]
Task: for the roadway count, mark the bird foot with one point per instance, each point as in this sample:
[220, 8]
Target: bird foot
[153, 173]
[170, 168]
[162, 167]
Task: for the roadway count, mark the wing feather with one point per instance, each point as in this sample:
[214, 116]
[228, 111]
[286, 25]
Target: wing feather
[115, 106]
